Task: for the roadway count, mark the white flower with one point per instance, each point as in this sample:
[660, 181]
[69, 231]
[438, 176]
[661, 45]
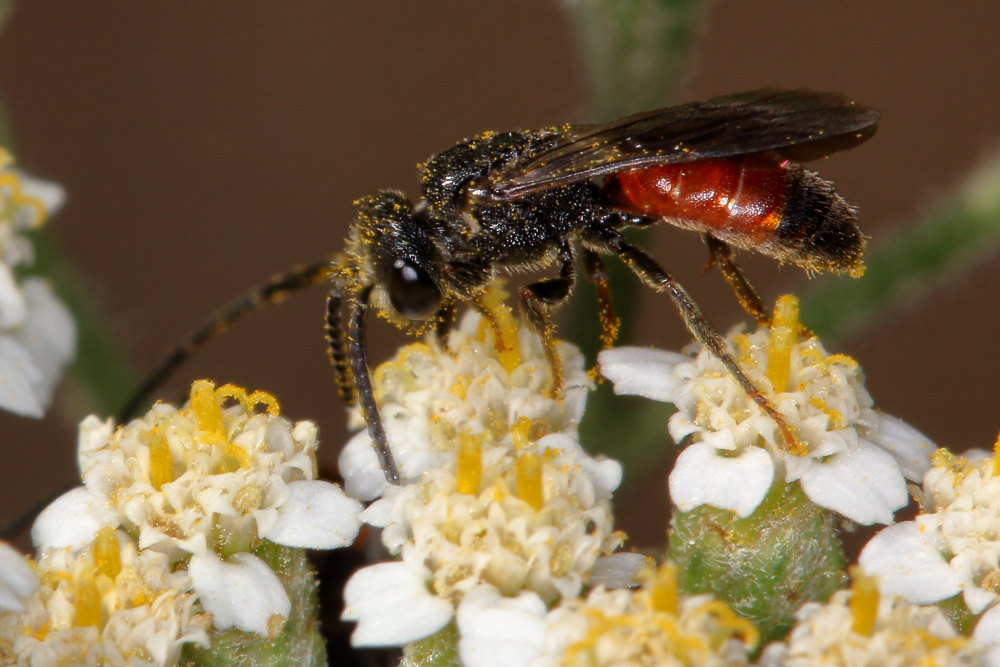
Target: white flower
[651, 626]
[848, 457]
[109, 604]
[203, 481]
[37, 331]
[864, 628]
[426, 393]
[18, 580]
[512, 501]
[952, 546]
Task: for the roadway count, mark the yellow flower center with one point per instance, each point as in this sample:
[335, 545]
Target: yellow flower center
[784, 336]
[864, 603]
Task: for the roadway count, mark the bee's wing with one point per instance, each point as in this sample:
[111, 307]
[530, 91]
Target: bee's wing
[800, 125]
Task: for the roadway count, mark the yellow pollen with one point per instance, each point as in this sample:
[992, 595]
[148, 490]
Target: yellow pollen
[784, 335]
[11, 181]
[996, 457]
[268, 401]
[460, 387]
[837, 421]
[160, 464]
[842, 359]
[664, 596]
[206, 407]
[520, 432]
[528, 479]
[88, 600]
[107, 555]
[864, 602]
[500, 319]
[469, 468]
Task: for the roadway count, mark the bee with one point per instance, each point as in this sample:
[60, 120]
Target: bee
[727, 167]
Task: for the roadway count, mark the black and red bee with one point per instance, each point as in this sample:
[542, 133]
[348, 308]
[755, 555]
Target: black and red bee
[728, 167]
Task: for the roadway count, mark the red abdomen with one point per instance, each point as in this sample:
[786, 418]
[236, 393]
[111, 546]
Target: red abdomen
[739, 199]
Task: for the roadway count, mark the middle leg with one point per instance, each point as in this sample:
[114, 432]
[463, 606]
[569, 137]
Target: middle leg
[646, 268]
[539, 299]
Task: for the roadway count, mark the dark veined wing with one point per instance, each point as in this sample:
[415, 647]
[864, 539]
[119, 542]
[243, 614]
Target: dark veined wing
[799, 125]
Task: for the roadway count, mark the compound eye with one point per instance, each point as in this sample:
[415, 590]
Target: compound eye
[412, 292]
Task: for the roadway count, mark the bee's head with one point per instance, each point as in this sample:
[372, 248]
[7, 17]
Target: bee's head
[393, 246]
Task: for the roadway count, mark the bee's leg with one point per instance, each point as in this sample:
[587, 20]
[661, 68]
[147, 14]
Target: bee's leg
[541, 298]
[273, 291]
[363, 385]
[443, 323]
[610, 322]
[336, 346]
[721, 256]
[646, 268]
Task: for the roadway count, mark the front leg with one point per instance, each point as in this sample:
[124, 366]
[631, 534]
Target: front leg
[363, 385]
[539, 299]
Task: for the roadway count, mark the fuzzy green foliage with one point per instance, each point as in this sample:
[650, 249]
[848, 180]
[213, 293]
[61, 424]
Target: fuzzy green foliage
[766, 565]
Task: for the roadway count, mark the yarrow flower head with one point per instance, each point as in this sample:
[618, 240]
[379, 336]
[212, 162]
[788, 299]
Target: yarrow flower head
[108, 604]
[512, 501]
[37, 332]
[654, 625]
[861, 627]
[209, 482]
[953, 545]
[847, 457]
[426, 394]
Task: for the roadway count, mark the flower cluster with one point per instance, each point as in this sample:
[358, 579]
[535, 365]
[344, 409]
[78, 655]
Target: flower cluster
[860, 626]
[653, 625]
[107, 604]
[952, 547]
[847, 457]
[204, 486]
[37, 332]
[502, 495]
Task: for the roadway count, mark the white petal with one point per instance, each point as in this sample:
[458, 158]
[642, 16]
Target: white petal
[358, 465]
[641, 371]
[18, 377]
[620, 570]
[49, 193]
[987, 631]
[379, 513]
[499, 632]
[92, 435]
[13, 308]
[244, 593]
[392, 606]
[363, 479]
[48, 334]
[317, 515]
[17, 579]
[72, 520]
[909, 564]
[977, 599]
[863, 483]
[910, 447]
[702, 476]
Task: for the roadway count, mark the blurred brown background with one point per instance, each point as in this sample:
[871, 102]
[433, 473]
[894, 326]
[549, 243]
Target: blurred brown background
[206, 146]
